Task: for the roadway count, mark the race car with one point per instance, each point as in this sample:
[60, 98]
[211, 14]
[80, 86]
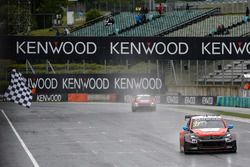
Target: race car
[143, 102]
[207, 134]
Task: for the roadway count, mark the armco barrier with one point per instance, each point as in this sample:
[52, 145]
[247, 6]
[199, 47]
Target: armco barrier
[233, 101]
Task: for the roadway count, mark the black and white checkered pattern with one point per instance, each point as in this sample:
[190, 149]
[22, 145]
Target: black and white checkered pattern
[18, 92]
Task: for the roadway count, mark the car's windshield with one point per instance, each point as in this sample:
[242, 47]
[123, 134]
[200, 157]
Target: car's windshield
[206, 123]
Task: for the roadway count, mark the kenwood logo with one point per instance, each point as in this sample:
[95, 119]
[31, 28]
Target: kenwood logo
[220, 48]
[35, 47]
[160, 48]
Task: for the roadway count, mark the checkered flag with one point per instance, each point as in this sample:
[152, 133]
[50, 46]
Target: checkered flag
[18, 92]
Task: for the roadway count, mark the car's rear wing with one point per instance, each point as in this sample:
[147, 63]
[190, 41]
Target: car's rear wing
[190, 116]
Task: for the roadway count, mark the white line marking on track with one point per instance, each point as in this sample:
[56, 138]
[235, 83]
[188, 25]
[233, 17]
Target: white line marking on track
[33, 160]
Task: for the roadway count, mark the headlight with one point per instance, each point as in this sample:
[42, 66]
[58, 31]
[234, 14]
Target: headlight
[193, 138]
[228, 137]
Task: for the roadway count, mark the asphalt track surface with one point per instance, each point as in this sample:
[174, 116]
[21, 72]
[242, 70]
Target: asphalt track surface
[105, 135]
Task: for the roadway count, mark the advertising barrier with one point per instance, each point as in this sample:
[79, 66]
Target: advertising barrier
[181, 100]
[99, 48]
[233, 101]
[77, 97]
[74, 97]
[189, 100]
[96, 83]
[50, 97]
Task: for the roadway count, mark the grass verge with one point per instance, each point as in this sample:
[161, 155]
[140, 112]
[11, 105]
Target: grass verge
[219, 112]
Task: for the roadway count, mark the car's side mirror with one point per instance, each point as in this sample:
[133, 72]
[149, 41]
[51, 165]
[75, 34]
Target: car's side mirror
[230, 126]
[185, 128]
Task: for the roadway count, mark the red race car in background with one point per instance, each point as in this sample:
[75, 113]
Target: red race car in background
[144, 102]
[207, 133]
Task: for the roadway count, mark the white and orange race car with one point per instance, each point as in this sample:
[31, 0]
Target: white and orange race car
[206, 134]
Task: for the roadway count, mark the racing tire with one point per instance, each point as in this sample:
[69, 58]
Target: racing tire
[234, 150]
[185, 148]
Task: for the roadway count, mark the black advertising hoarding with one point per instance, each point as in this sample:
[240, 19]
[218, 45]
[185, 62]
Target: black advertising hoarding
[96, 83]
[192, 48]
[190, 100]
[41, 97]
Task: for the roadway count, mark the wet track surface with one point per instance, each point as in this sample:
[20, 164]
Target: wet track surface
[105, 135]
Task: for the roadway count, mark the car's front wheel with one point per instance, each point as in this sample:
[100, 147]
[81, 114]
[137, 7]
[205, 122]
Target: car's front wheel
[234, 150]
[185, 147]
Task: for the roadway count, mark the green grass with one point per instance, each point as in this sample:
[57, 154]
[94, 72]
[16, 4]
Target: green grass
[45, 32]
[241, 115]
[220, 112]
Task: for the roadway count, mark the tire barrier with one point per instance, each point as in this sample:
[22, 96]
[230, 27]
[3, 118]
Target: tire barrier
[233, 101]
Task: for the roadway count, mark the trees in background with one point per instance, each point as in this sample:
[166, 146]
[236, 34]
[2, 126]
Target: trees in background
[92, 14]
